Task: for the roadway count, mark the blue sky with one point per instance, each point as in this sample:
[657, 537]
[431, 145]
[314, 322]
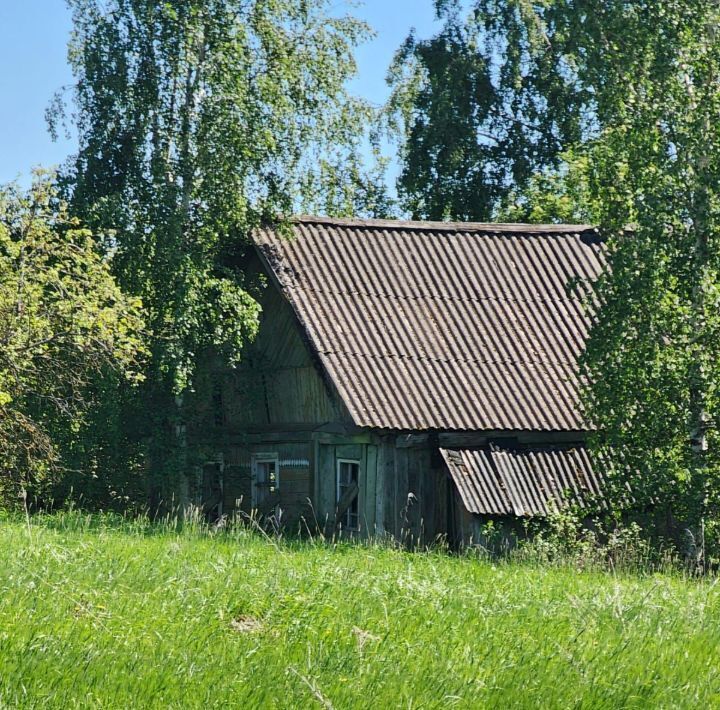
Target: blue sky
[33, 65]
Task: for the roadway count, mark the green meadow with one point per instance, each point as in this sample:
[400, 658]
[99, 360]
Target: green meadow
[98, 612]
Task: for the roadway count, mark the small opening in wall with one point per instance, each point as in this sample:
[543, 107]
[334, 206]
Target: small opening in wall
[266, 478]
[348, 477]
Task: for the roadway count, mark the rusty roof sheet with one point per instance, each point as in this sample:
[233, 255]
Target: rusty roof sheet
[494, 481]
[435, 325]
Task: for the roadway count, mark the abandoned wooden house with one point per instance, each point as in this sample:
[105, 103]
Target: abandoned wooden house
[409, 378]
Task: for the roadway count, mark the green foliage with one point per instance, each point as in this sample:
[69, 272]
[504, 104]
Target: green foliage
[478, 110]
[652, 358]
[64, 323]
[199, 120]
[645, 167]
[347, 189]
[118, 613]
[564, 538]
[561, 195]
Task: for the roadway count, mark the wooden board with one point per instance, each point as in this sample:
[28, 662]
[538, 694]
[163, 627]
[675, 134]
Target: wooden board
[370, 499]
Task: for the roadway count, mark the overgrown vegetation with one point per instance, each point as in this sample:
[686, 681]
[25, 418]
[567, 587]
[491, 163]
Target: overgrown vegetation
[603, 112]
[107, 612]
[197, 121]
[65, 326]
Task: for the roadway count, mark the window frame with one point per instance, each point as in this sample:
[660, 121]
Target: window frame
[264, 457]
[338, 496]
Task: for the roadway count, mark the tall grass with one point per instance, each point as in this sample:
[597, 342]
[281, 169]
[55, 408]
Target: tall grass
[102, 611]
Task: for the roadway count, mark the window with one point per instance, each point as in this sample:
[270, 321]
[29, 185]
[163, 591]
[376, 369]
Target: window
[348, 476]
[266, 477]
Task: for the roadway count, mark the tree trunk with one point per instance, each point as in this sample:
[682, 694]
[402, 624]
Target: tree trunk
[699, 415]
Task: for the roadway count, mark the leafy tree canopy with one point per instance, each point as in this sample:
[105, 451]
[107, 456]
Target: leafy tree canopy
[479, 109]
[197, 120]
[647, 172]
[63, 321]
[654, 164]
[601, 112]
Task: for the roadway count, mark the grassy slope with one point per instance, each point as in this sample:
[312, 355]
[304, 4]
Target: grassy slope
[112, 616]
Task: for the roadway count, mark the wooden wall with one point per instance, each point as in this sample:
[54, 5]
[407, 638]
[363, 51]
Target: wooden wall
[276, 386]
[270, 403]
[403, 490]
[295, 458]
[278, 382]
[277, 401]
[412, 491]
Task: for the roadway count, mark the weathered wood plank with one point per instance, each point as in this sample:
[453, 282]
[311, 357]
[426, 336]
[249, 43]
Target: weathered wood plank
[295, 475]
[294, 490]
[325, 504]
[390, 493]
[369, 501]
[407, 441]
[401, 491]
[280, 437]
[413, 498]
[354, 452]
[380, 489]
[340, 439]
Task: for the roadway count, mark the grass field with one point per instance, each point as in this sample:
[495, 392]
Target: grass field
[103, 613]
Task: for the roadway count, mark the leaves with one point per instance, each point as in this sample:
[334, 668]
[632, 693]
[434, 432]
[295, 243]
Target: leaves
[197, 122]
[63, 321]
[478, 110]
[604, 112]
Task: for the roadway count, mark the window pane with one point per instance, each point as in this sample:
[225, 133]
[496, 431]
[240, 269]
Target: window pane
[348, 475]
[344, 473]
[267, 473]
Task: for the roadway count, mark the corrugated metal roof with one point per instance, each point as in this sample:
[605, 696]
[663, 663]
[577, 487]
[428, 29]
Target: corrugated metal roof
[434, 325]
[493, 481]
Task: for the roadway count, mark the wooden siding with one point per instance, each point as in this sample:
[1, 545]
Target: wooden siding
[271, 403]
[411, 492]
[295, 459]
[278, 383]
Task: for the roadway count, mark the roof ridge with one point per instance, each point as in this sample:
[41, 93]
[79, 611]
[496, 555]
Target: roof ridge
[422, 225]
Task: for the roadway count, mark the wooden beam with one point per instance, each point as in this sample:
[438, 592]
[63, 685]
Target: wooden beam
[341, 439]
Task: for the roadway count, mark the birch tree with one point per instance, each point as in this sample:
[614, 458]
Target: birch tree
[638, 152]
[197, 121]
[647, 170]
[653, 359]
[479, 109]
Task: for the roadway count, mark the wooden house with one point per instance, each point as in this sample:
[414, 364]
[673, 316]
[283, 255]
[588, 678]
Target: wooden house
[409, 378]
